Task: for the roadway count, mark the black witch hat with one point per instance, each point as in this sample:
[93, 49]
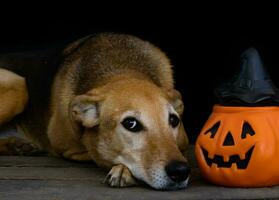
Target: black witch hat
[251, 86]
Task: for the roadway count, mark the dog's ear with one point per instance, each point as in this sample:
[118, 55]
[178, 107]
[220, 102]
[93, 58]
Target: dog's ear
[175, 99]
[85, 109]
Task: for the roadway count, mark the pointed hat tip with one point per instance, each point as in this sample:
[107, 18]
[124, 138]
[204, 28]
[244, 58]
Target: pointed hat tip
[251, 54]
[251, 50]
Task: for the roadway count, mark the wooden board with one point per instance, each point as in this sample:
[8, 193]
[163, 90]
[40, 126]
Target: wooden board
[49, 178]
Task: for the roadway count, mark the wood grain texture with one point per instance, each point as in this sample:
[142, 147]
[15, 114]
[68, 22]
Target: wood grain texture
[49, 178]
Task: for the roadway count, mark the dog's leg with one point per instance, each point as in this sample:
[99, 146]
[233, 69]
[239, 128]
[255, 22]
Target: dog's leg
[13, 95]
[60, 136]
[120, 176]
[77, 154]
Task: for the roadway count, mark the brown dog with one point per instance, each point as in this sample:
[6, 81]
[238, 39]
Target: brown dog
[112, 100]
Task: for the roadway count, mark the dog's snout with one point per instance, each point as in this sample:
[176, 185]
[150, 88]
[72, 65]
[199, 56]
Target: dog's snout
[178, 171]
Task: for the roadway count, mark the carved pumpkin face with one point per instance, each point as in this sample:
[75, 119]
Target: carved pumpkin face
[238, 146]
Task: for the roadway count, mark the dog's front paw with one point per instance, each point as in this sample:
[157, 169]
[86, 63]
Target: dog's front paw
[120, 176]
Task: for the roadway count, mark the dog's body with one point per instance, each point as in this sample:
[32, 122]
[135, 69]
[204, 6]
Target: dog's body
[108, 98]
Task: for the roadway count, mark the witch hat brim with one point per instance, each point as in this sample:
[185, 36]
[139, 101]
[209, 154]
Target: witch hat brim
[251, 86]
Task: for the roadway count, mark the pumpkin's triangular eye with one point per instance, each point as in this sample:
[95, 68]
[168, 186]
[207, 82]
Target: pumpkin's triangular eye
[213, 130]
[247, 129]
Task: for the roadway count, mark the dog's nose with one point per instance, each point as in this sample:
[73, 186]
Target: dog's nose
[178, 171]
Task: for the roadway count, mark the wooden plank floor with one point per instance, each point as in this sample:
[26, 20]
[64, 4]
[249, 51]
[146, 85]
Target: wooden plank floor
[57, 179]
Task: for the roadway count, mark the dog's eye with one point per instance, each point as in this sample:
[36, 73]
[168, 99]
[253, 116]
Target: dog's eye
[132, 124]
[173, 120]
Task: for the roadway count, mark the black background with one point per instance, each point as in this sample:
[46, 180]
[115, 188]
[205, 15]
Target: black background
[204, 41]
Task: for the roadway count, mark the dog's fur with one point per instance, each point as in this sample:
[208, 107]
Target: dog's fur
[96, 83]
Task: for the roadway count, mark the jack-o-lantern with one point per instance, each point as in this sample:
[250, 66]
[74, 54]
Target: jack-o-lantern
[239, 144]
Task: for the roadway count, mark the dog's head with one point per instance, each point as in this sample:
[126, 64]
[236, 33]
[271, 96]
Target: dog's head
[135, 123]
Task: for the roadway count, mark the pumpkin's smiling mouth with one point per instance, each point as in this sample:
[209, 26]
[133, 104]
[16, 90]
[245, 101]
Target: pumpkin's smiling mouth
[219, 160]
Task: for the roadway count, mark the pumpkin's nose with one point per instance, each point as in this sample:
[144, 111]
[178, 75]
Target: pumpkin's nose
[178, 171]
[228, 140]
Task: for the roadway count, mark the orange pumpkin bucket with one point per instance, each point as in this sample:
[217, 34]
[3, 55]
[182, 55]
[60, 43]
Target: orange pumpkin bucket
[239, 144]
